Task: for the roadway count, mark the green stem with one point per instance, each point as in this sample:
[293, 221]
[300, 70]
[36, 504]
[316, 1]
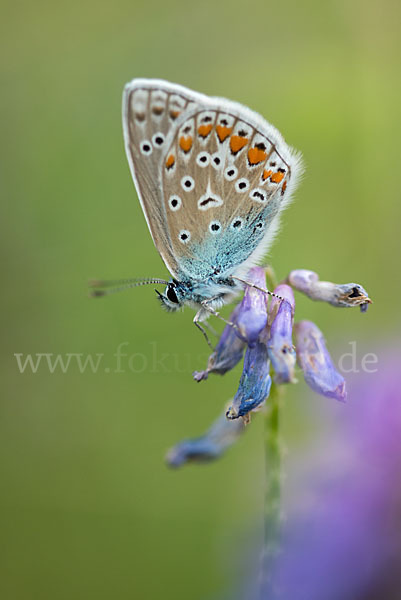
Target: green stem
[272, 512]
[273, 477]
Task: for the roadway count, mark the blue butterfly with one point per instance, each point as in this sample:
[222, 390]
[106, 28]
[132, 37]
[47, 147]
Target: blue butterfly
[212, 177]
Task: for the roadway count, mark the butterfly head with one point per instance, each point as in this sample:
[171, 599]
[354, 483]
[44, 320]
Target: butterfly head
[173, 297]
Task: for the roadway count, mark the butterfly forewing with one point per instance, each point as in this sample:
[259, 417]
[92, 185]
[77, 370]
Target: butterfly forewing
[211, 174]
[150, 113]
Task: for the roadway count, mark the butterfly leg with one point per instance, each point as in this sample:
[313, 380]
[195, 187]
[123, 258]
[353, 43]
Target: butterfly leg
[205, 305]
[208, 308]
[211, 329]
[199, 326]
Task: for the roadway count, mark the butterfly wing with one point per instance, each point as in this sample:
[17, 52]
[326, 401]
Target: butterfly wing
[227, 176]
[213, 190]
[151, 111]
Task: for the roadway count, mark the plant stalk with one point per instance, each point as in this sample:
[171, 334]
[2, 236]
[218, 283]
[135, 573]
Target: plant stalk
[273, 479]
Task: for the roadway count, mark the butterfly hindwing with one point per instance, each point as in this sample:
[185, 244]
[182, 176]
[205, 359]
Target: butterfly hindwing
[225, 181]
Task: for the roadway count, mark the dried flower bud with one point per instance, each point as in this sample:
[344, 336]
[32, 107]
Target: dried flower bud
[342, 295]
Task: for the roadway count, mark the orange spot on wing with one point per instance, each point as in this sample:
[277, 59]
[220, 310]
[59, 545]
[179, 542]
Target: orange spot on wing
[237, 142]
[223, 132]
[174, 114]
[204, 130]
[277, 177]
[186, 143]
[170, 161]
[266, 174]
[283, 188]
[256, 156]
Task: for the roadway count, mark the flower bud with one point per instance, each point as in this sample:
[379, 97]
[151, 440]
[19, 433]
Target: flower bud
[255, 382]
[252, 315]
[342, 295]
[280, 347]
[315, 361]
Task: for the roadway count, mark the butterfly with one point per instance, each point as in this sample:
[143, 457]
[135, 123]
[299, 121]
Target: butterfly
[212, 178]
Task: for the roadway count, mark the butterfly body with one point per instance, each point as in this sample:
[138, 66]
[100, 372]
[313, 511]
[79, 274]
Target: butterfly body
[213, 178]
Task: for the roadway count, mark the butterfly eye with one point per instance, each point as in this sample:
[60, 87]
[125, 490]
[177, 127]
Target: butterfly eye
[146, 147]
[171, 295]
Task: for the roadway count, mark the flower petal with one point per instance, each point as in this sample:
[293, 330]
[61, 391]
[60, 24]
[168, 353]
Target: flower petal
[210, 446]
[252, 315]
[255, 382]
[280, 347]
[315, 361]
[229, 351]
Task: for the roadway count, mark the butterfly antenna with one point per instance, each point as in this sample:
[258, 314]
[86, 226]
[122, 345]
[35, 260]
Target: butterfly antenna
[104, 288]
[256, 287]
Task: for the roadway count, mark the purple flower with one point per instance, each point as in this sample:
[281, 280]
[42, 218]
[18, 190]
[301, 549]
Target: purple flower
[252, 316]
[255, 382]
[348, 544]
[314, 359]
[211, 445]
[267, 337]
[229, 351]
[342, 535]
[342, 295]
[280, 347]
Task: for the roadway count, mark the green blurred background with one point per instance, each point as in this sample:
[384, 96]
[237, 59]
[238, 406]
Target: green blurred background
[88, 508]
